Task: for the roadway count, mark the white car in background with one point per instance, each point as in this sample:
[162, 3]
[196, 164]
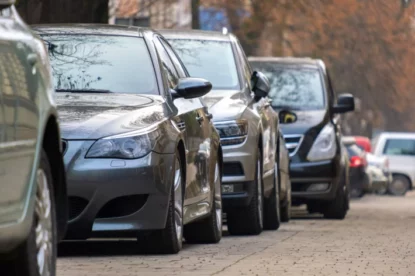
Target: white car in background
[378, 170]
[399, 148]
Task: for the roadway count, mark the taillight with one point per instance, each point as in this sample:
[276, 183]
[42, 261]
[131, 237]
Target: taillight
[356, 161]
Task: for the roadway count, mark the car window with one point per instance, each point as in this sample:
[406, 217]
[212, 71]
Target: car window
[245, 64]
[295, 88]
[168, 67]
[353, 150]
[400, 147]
[96, 62]
[176, 62]
[211, 60]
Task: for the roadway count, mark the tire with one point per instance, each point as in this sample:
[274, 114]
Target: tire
[249, 220]
[33, 259]
[170, 239]
[286, 209]
[399, 186]
[209, 230]
[272, 220]
[337, 208]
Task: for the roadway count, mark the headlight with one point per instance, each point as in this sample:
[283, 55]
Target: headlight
[125, 146]
[232, 132]
[324, 146]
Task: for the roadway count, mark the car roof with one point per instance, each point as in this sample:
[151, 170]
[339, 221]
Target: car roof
[196, 34]
[97, 29]
[290, 61]
[398, 135]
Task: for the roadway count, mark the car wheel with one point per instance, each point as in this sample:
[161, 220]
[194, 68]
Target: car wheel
[399, 186]
[209, 230]
[170, 239]
[249, 220]
[337, 208]
[286, 209]
[37, 255]
[272, 219]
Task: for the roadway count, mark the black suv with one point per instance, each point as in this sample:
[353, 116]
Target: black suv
[319, 163]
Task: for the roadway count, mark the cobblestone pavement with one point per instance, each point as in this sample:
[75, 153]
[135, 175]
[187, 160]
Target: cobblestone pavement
[376, 238]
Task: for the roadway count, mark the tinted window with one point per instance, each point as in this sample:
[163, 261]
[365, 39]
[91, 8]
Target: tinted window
[353, 150]
[399, 147]
[293, 87]
[176, 62]
[93, 62]
[169, 69]
[211, 60]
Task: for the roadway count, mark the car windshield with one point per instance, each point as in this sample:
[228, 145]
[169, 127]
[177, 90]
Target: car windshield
[211, 60]
[97, 63]
[294, 88]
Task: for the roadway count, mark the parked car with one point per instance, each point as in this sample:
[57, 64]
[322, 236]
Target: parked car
[359, 179]
[377, 168]
[399, 148]
[142, 156]
[319, 171]
[248, 127]
[33, 205]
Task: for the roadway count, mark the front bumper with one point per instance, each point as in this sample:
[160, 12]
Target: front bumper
[113, 196]
[314, 180]
[239, 163]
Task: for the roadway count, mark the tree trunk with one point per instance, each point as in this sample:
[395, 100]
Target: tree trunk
[195, 14]
[63, 11]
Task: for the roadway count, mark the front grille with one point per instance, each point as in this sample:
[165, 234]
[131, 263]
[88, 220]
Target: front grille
[122, 206]
[232, 169]
[64, 146]
[293, 142]
[76, 206]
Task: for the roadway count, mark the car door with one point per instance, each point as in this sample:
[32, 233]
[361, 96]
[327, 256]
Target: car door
[20, 116]
[268, 121]
[188, 118]
[205, 131]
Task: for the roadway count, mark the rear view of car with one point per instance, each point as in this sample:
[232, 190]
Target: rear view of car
[33, 209]
[359, 179]
[399, 148]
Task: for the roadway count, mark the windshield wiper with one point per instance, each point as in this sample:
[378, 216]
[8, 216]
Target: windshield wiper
[84, 90]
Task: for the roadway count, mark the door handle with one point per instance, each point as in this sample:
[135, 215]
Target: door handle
[32, 59]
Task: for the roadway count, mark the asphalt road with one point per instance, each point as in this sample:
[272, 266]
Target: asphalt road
[376, 238]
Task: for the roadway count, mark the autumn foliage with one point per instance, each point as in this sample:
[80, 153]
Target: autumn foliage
[366, 44]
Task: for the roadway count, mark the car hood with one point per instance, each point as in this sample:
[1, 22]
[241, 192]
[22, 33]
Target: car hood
[93, 116]
[226, 104]
[305, 121]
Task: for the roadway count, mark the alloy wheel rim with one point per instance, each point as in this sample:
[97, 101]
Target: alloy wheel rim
[43, 225]
[218, 197]
[398, 187]
[259, 178]
[178, 201]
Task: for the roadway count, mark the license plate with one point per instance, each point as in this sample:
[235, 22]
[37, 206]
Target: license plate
[227, 189]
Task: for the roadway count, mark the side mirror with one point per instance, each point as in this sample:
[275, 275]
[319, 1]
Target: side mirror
[287, 117]
[345, 103]
[260, 84]
[190, 88]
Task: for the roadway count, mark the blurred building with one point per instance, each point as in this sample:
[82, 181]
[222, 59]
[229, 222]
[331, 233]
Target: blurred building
[158, 14]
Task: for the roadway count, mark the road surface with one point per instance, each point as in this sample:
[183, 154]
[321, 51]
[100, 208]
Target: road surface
[376, 238]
